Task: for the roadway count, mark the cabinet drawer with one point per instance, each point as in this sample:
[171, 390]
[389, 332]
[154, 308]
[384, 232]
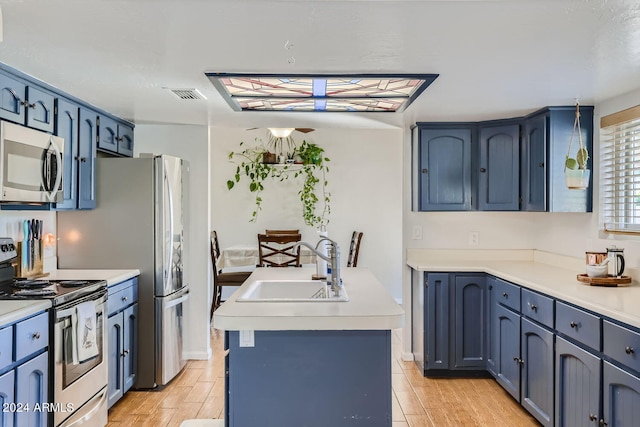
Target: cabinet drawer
[537, 307]
[508, 294]
[621, 344]
[32, 335]
[579, 325]
[117, 301]
[6, 341]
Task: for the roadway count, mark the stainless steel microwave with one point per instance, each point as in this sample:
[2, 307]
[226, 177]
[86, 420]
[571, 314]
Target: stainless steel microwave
[31, 165]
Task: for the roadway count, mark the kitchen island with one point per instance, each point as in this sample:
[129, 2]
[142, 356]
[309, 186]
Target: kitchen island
[310, 363]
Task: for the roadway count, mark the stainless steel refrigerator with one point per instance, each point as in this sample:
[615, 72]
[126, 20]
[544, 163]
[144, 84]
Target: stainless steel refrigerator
[139, 223]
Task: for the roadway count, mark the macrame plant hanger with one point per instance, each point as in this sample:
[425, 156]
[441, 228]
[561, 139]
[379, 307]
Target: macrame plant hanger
[575, 170]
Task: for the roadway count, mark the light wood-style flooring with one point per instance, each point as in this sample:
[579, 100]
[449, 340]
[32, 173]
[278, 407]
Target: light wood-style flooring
[198, 392]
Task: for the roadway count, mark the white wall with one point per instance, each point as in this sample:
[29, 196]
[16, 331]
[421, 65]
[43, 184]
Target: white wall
[365, 182]
[191, 143]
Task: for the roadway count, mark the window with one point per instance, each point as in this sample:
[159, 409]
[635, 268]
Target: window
[620, 171]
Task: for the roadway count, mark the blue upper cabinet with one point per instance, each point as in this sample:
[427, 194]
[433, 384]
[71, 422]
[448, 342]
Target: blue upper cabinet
[107, 134]
[87, 144]
[78, 126]
[533, 171]
[115, 137]
[67, 128]
[25, 104]
[498, 171]
[445, 168]
[125, 140]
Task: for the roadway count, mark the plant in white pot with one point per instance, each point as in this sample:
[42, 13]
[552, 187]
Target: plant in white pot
[576, 173]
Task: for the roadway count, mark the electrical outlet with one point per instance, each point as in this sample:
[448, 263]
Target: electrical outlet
[474, 238]
[417, 233]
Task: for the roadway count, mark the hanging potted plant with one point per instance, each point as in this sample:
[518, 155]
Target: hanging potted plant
[576, 173]
[313, 170]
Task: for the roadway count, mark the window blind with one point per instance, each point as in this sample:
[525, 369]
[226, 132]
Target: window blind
[620, 171]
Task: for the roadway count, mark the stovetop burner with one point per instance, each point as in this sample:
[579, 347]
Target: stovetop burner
[72, 283]
[31, 284]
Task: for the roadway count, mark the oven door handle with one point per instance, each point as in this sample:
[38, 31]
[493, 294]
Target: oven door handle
[61, 314]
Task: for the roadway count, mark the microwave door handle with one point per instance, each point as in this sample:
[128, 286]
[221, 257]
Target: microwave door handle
[51, 195]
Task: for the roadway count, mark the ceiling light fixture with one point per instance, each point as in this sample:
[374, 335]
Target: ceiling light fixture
[281, 132]
[362, 93]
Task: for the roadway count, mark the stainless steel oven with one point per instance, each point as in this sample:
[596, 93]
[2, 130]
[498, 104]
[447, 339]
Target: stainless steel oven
[81, 388]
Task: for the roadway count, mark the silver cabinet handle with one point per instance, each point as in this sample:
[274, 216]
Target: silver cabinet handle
[124, 298]
[124, 353]
[592, 417]
[629, 350]
[533, 307]
[573, 325]
[35, 336]
[506, 295]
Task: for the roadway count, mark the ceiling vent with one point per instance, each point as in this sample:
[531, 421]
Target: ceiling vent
[187, 93]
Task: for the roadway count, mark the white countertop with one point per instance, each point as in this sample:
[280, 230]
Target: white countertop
[543, 272]
[370, 306]
[11, 311]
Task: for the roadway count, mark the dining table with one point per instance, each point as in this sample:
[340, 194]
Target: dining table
[246, 255]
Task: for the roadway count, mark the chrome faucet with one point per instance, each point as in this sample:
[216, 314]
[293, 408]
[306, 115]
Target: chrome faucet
[333, 258]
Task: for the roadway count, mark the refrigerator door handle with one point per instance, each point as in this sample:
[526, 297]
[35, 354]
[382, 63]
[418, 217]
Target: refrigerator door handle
[169, 266]
[177, 301]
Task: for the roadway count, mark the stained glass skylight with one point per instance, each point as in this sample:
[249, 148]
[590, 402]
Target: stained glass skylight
[335, 93]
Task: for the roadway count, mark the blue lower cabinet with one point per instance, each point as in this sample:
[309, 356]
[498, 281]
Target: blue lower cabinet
[114, 356]
[122, 338]
[310, 378]
[7, 384]
[508, 352]
[621, 397]
[491, 321]
[577, 385]
[537, 388]
[32, 382]
[470, 321]
[437, 322]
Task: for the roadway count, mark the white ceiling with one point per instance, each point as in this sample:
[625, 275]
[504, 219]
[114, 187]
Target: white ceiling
[495, 58]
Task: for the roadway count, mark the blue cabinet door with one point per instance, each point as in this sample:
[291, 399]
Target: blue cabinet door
[491, 322]
[437, 322]
[577, 386]
[533, 173]
[445, 169]
[32, 388]
[40, 109]
[67, 128]
[107, 134]
[508, 356]
[499, 168]
[470, 321]
[536, 394]
[114, 356]
[87, 143]
[621, 397]
[130, 340]
[7, 384]
[12, 99]
[125, 140]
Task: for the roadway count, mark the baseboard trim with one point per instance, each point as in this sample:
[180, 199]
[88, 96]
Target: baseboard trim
[197, 355]
[407, 357]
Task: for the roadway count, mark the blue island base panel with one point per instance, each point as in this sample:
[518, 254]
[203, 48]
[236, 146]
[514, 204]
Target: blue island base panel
[310, 379]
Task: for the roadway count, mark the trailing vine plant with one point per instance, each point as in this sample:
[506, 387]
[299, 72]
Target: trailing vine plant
[311, 165]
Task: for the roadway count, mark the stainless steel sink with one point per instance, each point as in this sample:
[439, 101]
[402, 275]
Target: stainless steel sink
[290, 291]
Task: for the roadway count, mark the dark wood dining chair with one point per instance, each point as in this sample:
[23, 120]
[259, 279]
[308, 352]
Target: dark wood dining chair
[221, 279]
[354, 249]
[270, 232]
[278, 250]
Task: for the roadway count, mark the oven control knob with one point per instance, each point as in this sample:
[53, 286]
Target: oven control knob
[4, 248]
